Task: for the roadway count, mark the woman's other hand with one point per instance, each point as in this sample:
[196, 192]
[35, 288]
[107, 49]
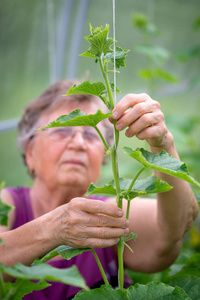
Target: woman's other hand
[84, 223]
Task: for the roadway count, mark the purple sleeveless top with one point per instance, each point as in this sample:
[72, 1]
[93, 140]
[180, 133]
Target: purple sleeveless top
[85, 262]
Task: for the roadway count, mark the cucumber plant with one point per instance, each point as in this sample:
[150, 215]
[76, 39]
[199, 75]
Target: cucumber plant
[102, 52]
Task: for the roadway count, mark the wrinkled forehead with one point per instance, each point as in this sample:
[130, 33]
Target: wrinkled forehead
[89, 107]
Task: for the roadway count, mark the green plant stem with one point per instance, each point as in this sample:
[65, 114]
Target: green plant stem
[119, 199]
[116, 176]
[120, 248]
[2, 290]
[101, 136]
[129, 189]
[100, 267]
[110, 96]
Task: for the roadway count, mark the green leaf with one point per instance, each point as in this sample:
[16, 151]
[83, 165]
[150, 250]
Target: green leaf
[157, 74]
[113, 88]
[156, 291]
[65, 251]
[141, 187]
[105, 292]
[4, 210]
[78, 118]
[108, 189]
[141, 22]
[191, 267]
[87, 88]
[162, 74]
[190, 284]
[162, 162]
[45, 272]
[188, 52]
[120, 56]
[99, 42]
[157, 54]
[16, 290]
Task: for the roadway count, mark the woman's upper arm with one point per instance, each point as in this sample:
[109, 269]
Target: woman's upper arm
[7, 198]
[148, 248]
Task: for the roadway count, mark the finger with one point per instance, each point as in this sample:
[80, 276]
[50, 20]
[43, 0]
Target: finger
[100, 220]
[99, 243]
[136, 111]
[130, 100]
[100, 207]
[134, 114]
[154, 135]
[105, 232]
[145, 121]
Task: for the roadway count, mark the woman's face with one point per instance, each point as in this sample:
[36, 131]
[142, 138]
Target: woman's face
[74, 162]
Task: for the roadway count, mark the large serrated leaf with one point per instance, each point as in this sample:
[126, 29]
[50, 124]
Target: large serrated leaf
[87, 88]
[190, 284]
[79, 118]
[105, 292]
[65, 251]
[162, 162]
[151, 291]
[45, 272]
[156, 291]
[141, 187]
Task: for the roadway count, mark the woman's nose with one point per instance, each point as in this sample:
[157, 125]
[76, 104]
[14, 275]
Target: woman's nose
[77, 140]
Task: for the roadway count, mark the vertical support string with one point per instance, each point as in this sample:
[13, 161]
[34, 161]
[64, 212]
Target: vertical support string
[114, 51]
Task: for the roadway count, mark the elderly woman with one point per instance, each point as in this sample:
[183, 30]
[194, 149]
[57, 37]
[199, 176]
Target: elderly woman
[54, 210]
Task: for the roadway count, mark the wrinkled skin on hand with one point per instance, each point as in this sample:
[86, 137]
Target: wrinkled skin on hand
[87, 223]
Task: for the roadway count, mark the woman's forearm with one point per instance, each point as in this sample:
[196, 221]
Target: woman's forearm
[25, 243]
[176, 209]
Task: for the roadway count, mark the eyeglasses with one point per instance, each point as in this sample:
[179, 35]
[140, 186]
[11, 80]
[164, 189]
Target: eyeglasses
[62, 134]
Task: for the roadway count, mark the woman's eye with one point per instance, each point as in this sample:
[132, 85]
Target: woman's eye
[62, 132]
[91, 135]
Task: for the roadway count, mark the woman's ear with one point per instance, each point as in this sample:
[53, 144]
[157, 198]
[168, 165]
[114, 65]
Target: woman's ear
[29, 158]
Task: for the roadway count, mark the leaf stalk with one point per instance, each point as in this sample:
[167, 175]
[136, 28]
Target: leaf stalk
[129, 189]
[100, 267]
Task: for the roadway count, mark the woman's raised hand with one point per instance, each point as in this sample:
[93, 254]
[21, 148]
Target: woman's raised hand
[144, 119]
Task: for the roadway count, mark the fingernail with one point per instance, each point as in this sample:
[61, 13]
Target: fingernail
[120, 213]
[127, 133]
[119, 126]
[126, 224]
[115, 115]
[117, 240]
